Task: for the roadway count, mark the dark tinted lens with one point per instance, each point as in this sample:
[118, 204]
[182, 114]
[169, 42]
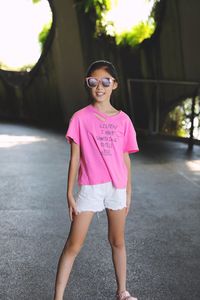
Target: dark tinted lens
[92, 82]
[106, 82]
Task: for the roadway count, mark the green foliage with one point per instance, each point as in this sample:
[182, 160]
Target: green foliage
[177, 122]
[98, 5]
[35, 1]
[96, 10]
[25, 68]
[138, 33]
[44, 33]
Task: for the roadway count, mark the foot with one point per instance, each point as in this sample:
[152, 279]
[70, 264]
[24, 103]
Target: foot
[124, 295]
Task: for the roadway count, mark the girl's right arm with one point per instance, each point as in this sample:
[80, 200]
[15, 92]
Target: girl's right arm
[72, 174]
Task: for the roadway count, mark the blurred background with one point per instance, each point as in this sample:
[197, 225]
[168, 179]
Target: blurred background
[46, 47]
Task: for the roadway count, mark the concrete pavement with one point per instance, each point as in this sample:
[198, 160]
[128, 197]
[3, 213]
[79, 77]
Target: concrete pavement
[162, 230]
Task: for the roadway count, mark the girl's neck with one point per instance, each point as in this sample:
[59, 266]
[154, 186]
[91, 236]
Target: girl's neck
[103, 106]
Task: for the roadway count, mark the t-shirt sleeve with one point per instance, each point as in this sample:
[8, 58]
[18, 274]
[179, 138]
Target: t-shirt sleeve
[73, 131]
[130, 139]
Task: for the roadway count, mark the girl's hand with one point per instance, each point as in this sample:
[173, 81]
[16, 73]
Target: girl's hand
[72, 207]
[128, 202]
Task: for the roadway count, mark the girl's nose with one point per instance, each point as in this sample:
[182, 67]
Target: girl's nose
[99, 84]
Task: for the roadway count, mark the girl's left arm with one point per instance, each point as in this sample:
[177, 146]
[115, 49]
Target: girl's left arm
[129, 185]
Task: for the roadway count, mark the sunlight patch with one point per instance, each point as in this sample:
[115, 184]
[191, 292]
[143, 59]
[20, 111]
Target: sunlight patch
[24, 26]
[8, 141]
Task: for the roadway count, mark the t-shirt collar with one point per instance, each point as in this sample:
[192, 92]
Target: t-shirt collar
[91, 106]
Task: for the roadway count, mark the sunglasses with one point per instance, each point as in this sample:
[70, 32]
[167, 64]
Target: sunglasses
[93, 81]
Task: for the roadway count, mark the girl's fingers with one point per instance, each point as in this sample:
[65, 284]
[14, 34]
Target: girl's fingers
[127, 209]
[70, 213]
[75, 209]
[72, 210]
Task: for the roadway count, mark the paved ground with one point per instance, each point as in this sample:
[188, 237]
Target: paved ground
[162, 231]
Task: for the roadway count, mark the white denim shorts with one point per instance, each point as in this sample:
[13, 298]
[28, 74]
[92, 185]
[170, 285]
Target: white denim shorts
[97, 197]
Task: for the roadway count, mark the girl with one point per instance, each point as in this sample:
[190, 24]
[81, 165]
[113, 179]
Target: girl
[101, 138]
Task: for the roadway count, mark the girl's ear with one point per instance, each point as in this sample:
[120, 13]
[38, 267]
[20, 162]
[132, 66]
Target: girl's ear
[115, 85]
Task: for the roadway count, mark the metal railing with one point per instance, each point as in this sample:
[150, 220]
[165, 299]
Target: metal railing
[154, 124]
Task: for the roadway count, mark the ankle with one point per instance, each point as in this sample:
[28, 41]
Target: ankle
[57, 297]
[121, 290]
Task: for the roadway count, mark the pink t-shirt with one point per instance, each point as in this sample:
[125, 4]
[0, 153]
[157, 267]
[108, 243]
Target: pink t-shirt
[102, 139]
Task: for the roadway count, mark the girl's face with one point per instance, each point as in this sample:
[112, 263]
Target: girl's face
[100, 93]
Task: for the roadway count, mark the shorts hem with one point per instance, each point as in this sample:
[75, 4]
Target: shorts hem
[90, 210]
[118, 208]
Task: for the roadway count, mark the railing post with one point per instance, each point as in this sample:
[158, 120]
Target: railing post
[157, 116]
[191, 141]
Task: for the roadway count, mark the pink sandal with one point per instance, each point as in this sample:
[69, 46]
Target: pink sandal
[124, 295]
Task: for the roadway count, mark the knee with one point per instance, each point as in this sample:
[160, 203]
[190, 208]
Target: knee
[72, 248]
[116, 243]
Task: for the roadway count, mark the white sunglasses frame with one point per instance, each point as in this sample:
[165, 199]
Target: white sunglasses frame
[99, 81]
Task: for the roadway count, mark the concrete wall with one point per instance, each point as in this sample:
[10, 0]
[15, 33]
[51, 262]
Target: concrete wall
[54, 89]
[68, 58]
[172, 53]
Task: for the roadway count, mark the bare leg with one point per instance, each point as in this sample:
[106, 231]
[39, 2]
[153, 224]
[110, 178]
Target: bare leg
[75, 240]
[116, 227]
